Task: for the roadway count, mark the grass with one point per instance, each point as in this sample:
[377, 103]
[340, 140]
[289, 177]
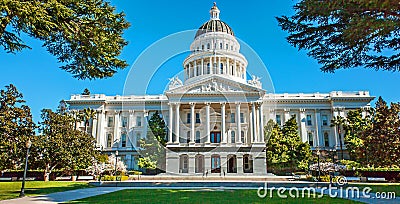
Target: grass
[9, 190]
[198, 196]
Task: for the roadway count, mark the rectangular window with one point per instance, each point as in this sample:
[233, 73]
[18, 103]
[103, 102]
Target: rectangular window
[197, 136]
[123, 140]
[278, 119]
[309, 123]
[109, 139]
[215, 137]
[233, 136]
[241, 118]
[310, 139]
[124, 121]
[198, 118]
[324, 120]
[188, 118]
[232, 117]
[326, 139]
[138, 140]
[138, 121]
[110, 122]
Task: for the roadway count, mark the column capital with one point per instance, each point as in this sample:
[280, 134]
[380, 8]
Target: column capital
[222, 103]
[131, 111]
[238, 103]
[192, 104]
[286, 110]
[302, 110]
[207, 103]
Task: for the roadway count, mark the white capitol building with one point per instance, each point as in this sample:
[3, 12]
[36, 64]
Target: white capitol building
[216, 116]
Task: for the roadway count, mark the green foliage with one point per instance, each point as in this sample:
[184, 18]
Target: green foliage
[350, 165]
[285, 148]
[61, 145]
[16, 127]
[153, 146]
[345, 34]
[374, 140]
[85, 36]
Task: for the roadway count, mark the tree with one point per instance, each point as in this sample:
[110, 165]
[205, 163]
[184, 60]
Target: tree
[16, 127]
[285, 148]
[345, 34]
[339, 122]
[87, 115]
[355, 126]
[61, 146]
[382, 140]
[86, 92]
[153, 146]
[85, 36]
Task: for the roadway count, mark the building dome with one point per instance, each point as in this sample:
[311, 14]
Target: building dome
[214, 25]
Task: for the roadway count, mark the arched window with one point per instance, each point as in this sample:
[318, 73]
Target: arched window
[123, 140]
[208, 68]
[197, 136]
[208, 46]
[233, 136]
[221, 68]
[242, 136]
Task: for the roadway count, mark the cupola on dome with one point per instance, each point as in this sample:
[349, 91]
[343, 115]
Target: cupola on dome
[214, 24]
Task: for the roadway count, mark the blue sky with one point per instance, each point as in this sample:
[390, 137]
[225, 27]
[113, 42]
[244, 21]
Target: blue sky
[43, 84]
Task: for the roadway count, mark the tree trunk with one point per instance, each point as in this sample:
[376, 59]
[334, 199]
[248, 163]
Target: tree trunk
[47, 173]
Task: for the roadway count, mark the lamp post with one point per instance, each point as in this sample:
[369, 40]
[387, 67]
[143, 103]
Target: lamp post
[319, 170]
[28, 145]
[116, 160]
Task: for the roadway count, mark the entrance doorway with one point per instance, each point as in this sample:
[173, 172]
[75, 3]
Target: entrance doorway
[232, 164]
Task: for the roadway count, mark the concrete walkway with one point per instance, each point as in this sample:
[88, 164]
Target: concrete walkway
[62, 196]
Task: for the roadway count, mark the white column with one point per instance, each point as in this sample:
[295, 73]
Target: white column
[303, 130]
[202, 66]
[335, 114]
[94, 125]
[234, 68]
[317, 126]
[100, 127]
[116, 126]
[253, 127]
[208, 122]
[190, 71]
[211, 66]
[170, 123]
[192, 106]
[261, 123]
[227, 66]
[177, 121]
[218, 66]
[287, 114]
[223, 129]
[238, 124]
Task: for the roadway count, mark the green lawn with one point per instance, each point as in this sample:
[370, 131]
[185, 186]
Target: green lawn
[198, 196]
[9, 190]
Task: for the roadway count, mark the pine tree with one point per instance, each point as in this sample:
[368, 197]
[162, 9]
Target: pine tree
[153, 146]
[345, 34]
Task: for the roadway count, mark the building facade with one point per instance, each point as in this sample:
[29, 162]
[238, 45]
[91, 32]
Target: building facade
[216, 116]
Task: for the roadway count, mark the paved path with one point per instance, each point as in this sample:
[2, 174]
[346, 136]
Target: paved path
[88, 192]
[62, 196]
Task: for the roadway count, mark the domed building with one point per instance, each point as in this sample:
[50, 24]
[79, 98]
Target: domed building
[215, 116]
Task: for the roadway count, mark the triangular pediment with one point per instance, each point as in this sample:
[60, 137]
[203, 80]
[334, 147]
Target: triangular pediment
[215, 84]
